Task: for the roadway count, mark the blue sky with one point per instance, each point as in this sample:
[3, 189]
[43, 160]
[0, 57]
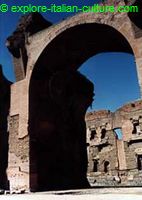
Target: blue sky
[113, 74]
[115, 79]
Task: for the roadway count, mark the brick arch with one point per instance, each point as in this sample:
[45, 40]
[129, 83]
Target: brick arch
[40, 42]
[66, 45]
[44, 38]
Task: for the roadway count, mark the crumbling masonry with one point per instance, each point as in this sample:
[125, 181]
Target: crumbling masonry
[115, 161]
[46, 105]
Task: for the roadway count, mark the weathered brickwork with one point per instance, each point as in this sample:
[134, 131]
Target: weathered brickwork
[112, 160]
[18, 157]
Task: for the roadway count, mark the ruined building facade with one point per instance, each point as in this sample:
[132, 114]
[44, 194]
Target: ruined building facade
[113, 160]
[48, 101]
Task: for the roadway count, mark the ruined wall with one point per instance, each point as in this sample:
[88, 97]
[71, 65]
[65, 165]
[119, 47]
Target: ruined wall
[132, 139]
[125, 153]
[18, 157]
[102, 152]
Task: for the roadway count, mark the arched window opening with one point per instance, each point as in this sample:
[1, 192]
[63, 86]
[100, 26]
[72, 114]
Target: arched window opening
[106, 166]
[134, 130]
[99, 148]
[135, 127]
[103, 133]
[95, 166]
[93, 134]
[139, 162]
[118, 132]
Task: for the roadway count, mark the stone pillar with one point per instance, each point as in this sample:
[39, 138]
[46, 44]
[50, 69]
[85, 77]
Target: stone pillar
[18, 164]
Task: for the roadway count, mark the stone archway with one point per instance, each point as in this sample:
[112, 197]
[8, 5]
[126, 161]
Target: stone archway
[113, 20]
[63, 46]
[50, 119]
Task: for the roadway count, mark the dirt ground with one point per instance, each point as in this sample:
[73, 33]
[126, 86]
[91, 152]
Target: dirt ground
[90, 194]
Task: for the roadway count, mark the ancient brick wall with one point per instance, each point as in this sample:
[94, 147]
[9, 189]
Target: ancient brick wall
[18, 157]
[101, 142]
[124, 155]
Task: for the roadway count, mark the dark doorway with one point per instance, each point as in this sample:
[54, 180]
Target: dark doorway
[135, 125]
[103, 133]
[93, 134]
[106, 166]
[139, 162]
[95, 166]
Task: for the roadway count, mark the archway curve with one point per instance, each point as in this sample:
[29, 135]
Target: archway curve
[67, 51]
[40, 41]
[75, 45]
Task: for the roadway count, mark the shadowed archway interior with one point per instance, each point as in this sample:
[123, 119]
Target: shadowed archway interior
[58, 99]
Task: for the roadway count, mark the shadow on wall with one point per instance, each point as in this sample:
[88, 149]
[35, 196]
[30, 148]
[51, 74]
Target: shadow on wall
[136, 16]
[59, 98]
[4, 112]
[58, 156]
